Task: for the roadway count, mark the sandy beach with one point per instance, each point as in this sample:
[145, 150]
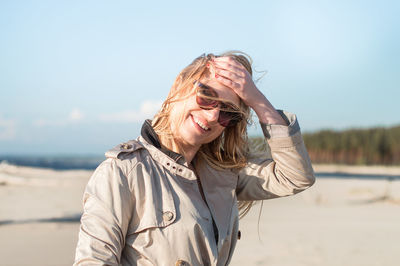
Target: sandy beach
[339, 221]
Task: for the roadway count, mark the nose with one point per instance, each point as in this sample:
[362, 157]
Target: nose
[212, 115]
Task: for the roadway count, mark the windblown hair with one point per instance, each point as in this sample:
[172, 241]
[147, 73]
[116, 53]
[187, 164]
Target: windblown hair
[228, 151]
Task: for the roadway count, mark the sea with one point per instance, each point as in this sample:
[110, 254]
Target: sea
[61, 162]
[90, 162]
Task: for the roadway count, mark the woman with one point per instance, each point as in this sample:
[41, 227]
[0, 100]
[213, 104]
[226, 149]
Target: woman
[171, 196]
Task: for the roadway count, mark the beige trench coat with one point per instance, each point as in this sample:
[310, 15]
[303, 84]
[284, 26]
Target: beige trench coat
[143, 208]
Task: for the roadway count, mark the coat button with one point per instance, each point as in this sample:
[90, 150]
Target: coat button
[182, 263]
[168, 216]
[239, 235]
[126, 146]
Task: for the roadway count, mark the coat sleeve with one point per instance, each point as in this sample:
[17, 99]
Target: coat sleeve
[104, 222]
[286, 170]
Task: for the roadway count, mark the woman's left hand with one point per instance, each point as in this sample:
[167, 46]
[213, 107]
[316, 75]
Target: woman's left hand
[234, 75]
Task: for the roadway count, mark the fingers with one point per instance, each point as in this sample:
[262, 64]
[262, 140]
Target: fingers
[229, 72]
[234, 75]
[227, 60]
[230, 64]
[227, 82]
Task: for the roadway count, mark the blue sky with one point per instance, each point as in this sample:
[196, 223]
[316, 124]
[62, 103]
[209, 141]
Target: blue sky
[79, 77]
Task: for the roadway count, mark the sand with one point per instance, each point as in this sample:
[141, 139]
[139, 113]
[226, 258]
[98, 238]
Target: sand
[336, 222]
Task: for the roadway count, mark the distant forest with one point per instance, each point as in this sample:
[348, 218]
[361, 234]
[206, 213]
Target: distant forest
[354, 146]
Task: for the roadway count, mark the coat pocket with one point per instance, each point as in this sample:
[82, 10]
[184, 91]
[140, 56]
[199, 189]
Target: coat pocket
[154, 219]
[154, 205]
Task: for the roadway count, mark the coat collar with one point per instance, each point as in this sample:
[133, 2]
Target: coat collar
[152, 138]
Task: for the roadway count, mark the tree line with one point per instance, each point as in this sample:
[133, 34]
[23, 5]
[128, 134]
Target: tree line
[378, 145]
[355, 146]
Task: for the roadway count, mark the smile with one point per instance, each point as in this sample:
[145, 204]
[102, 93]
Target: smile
[200, 123]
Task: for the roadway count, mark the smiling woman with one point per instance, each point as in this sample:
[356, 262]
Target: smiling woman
[173, 195]
[190, 110]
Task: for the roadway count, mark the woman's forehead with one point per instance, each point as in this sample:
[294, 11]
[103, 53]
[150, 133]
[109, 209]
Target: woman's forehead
[224, 92]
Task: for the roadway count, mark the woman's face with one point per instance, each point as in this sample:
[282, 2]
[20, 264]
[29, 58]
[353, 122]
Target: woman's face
[200, 126]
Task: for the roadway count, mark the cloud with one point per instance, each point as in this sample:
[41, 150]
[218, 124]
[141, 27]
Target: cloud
[7, 129]
[76, 115]
[147, 109]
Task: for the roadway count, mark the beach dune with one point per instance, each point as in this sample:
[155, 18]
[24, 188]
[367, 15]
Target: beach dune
[339, 221]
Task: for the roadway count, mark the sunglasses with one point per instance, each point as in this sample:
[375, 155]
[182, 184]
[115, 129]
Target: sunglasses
[229, 114]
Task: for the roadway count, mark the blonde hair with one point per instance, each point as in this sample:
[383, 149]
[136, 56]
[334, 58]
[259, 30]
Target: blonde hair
[228, 151]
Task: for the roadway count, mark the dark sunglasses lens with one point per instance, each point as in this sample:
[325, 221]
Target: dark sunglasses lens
[206, 103]
[227, 119]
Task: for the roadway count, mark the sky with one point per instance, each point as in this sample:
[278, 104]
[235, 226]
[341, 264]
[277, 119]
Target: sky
[79, 77]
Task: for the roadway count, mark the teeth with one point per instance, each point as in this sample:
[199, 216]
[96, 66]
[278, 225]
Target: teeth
[200, 124]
